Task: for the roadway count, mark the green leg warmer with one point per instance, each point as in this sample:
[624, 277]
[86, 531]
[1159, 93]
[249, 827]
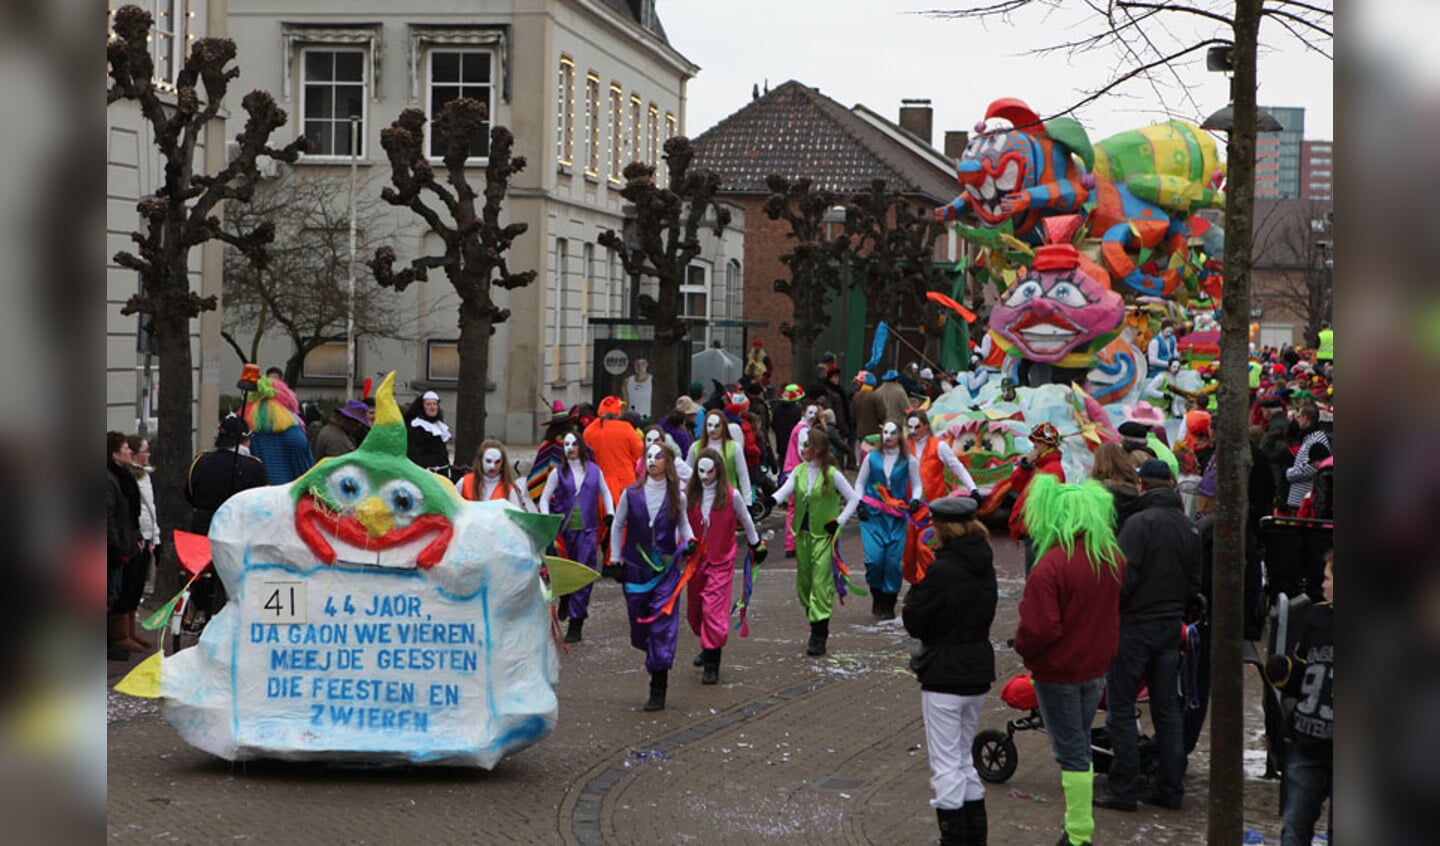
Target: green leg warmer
[1079, 816]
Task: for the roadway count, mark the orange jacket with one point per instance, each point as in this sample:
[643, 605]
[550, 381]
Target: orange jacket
[617, 447]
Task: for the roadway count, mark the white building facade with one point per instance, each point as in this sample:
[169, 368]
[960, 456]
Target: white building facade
[586, 86]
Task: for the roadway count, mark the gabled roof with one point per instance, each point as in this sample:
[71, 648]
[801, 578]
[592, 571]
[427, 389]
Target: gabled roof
[636, 11]
[796, 131]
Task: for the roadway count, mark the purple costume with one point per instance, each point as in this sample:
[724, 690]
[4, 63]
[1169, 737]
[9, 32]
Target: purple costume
[647, 590]
[580, 543]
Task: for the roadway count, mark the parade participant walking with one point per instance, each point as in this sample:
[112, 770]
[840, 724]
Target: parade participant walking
[818, 487]
[940, 473]
[577, 491]
[715, 510]
[679, 424]
[867, 409]
[1162, 576]
[787, 413]
[658, 435]
[808, 418]
[1070, 627]
[883, 533]
[1044, 460]
[277, 434]
[551, 452]
[893, 393]
[650, 538]
[344, 432]
[492, 477]
[616, 445]
[950, 611]
[428, 434]
[724, 437]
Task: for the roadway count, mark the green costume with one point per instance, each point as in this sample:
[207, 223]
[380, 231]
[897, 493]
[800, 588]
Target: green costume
[814, 507]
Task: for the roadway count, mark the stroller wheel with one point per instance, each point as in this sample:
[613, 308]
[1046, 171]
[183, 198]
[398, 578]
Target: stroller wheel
[760, 509]
[995, 756]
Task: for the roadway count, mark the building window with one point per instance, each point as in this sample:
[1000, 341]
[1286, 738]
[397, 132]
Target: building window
[617, 131]
[565, 112]
[637, 126]
[671, 127]
[442, 361]
[652, 133]
[695, 292]
[167, 40]
[588, 279]
[333, 92]
[592, 124]
[455, 73]
[734, 289]
[327, 362]
[557, 319]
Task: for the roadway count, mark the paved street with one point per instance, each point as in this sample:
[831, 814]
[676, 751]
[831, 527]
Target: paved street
[786, 749]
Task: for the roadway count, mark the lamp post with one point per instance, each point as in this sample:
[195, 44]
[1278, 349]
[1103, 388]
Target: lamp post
[350, 301]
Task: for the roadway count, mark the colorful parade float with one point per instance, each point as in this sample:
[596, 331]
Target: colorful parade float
[1091, 248]
[374, 617]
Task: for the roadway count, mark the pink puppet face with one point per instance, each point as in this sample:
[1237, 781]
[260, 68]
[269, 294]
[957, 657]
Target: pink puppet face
[1050, 313]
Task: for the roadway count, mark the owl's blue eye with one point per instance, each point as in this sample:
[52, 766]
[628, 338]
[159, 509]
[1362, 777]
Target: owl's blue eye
[348, 487]
[404, 500]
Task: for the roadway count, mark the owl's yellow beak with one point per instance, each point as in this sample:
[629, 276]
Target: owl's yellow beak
[375, 517]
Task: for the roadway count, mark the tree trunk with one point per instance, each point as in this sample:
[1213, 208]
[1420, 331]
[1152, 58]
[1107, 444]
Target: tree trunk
[802, 352]
[295, 364]
[469, 421]
[173, 446]
[668, 336]
[1227, 689]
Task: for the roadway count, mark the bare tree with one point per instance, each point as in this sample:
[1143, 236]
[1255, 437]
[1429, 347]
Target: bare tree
[814, 263]
[667, 223]
[475, 240]
[1141, 36]
[180, 216]
[1293, 249]
[895, 241]
[302, 292]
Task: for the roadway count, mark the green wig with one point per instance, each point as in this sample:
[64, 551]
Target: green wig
[1057, 513]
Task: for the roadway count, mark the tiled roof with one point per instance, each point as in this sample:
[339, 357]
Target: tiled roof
[796, 131]
[634, 10]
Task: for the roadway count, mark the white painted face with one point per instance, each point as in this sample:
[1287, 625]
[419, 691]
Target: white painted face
[708, 470]
[490, 462]
[1174, 366]
[655, 461]
[890, 433]
[714, 426]
[572, 445]
[913, 424]
[652, 437]
[812, 413]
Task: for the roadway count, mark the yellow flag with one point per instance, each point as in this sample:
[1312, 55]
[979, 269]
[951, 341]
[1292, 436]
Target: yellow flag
[144, 680]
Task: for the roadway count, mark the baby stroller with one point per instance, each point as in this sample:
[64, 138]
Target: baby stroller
[996, 756]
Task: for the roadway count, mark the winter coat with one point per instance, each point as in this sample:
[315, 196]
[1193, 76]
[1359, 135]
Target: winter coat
[122, 514]
[950, 611]
[426, 448]
[1162, 559]
[333, 440]
[1047, 462]
[1314, 448]
[869, 413]
[1125, 495]
[786, 414]
[215, 477]
[1069, 616]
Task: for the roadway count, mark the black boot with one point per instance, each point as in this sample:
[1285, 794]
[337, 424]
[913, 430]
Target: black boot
[572, 632]
[887, 606]
[659, 680]
[562, 608]
[877, 602]
[976, 825]
[819, 633]
[711, 675]
[699, 659]
[952, 826]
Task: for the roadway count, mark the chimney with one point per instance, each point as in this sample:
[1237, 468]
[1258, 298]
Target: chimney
[917, 118]
[955, 141]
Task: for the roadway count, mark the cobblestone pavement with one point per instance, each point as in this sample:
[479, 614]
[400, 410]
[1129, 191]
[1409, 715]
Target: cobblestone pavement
[785, 749]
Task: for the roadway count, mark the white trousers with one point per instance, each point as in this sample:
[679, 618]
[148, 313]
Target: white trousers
[950, 723]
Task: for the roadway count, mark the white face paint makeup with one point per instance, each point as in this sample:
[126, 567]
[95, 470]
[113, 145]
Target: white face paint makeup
[890, 433]
[812, 413]
[490, 462]
[714, 426]
[707, 470]
[655, 461]
[652, 437]
[572, 445]
[913, 424]
[1174, 366]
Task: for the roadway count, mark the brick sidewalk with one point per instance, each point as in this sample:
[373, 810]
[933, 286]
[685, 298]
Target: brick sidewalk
[786, 749]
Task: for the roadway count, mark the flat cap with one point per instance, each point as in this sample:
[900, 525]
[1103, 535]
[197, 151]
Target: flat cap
[953, 509]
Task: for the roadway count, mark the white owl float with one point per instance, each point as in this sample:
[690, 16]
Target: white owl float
[374, 616]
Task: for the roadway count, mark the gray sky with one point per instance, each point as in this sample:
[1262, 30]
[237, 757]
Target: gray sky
[872, 52]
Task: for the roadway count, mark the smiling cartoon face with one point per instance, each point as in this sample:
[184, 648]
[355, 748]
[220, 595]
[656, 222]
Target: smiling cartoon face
[376, 501]
[995, 163]
[1059, 310]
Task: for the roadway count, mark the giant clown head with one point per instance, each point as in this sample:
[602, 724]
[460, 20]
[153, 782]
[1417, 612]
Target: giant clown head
[1060, 309]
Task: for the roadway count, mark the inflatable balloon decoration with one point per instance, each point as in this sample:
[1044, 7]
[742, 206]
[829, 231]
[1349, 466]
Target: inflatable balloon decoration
[374, 616]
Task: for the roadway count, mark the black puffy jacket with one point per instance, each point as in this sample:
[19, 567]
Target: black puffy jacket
[950, 611]
[1162, 558]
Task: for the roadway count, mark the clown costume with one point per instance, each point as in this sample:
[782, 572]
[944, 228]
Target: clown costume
[715, 511]
[577, 491]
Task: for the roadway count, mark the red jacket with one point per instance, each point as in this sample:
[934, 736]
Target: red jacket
[1069, 617]
[1048, 462]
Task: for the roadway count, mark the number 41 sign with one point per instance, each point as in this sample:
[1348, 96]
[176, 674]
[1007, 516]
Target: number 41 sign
[276, 602]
